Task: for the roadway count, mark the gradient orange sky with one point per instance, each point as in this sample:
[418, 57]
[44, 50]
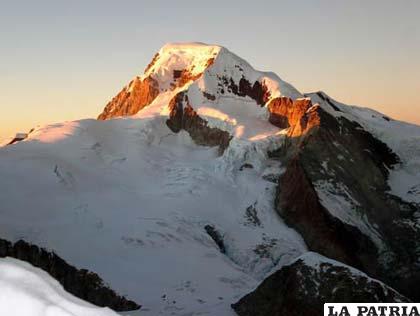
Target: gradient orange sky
[63, 60]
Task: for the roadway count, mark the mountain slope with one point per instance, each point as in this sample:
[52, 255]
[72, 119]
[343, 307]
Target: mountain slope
[203, 176]
[348, 212]
[303, 287]
[131, 194]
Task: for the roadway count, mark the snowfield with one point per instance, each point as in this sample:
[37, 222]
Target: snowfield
[129, 199]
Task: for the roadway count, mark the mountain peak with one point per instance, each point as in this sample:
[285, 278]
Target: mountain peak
[177, 57]
[216, 71]
[192, 48]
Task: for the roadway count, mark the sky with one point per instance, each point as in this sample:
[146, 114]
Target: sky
[64, 60]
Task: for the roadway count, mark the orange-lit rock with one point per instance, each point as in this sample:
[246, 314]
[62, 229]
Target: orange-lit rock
[129, 101]
[285, 113]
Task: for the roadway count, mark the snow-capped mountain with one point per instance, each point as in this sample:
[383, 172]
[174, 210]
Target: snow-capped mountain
[203, 176]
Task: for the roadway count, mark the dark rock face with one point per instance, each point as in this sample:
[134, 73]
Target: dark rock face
[298, 203]
[19, 137]
[327, 99]
[81, 283]
[15, 140]
[334, 150]
[181, 77]
[257, 91]
[216, 236]
[209, 96]
[246, 166]
[142, 93]
[302, 289]
[183, 117]
[251, 215]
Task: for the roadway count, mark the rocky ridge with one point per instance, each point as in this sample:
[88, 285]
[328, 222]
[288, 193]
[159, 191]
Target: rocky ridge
[302, 287]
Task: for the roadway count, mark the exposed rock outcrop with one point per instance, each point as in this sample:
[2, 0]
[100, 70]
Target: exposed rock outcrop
[82, 283]
[257, 91]
[216, 236]
[299, 116]
[18, 138]
[183, 117]
[131, 99]
[152, 62]
[298, 203]
[142, 91]
[303, 287]
[183, 76]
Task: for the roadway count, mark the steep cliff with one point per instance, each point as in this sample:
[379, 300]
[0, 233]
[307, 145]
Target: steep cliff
[335, 192]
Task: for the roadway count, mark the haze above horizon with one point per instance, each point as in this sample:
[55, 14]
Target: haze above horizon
[65, 60]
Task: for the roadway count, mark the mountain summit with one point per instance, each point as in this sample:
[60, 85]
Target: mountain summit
[212, 70]
[205, 179]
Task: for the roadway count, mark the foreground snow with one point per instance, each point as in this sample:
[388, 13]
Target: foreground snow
[28, 291]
